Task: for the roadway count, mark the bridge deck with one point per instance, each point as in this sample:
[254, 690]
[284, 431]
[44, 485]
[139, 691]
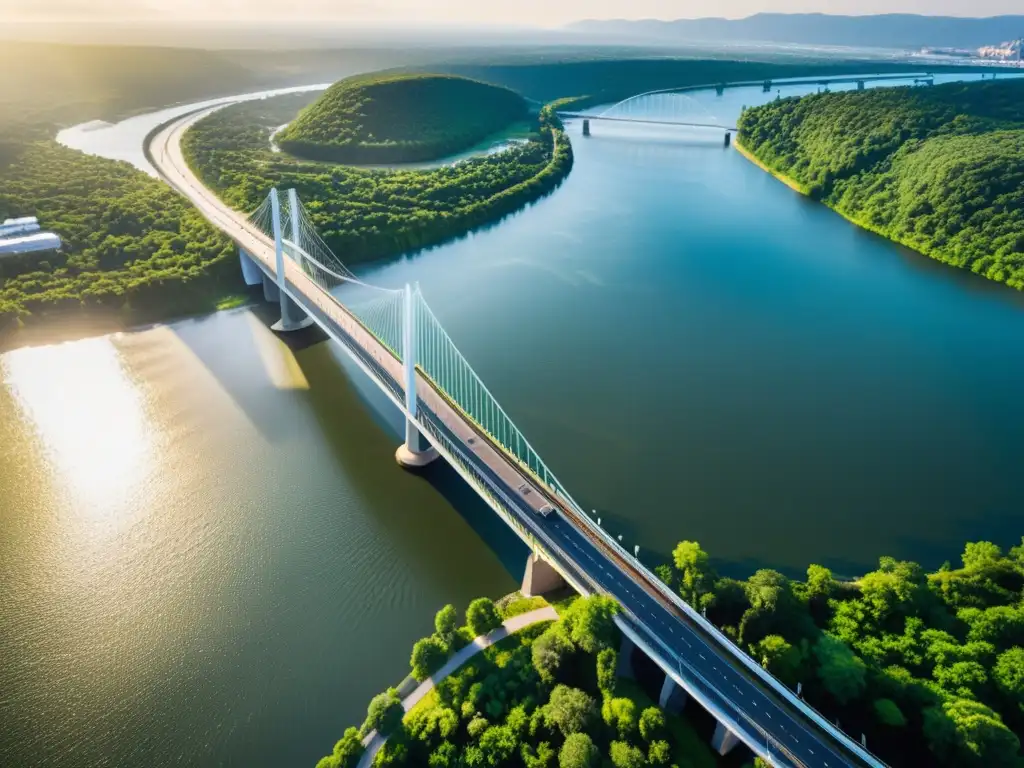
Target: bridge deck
[583, 556]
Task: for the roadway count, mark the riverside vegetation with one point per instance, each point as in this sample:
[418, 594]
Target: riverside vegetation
[929, 666]
[365, 214]
[940, 169]
[545, 696]
[400, 119]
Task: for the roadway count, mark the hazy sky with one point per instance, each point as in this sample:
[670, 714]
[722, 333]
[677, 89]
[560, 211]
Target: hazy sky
[533, 12]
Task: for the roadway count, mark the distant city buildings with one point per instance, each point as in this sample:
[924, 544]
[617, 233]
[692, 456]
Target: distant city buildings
[1009, 51]
[23, 235]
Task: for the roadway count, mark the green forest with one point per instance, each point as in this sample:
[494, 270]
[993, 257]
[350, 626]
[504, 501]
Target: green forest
[543, 697]
[939, 169]
[929, 665]
[400, 119]
[368, 214]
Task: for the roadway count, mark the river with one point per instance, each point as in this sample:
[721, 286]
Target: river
[210, 556]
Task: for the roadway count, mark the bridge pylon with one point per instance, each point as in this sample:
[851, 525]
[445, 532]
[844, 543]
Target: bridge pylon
[292, 316]
[415, 451]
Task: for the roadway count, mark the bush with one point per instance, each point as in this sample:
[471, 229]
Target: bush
[384, 714]
[578, 751]
[428, 656]
[482, 616]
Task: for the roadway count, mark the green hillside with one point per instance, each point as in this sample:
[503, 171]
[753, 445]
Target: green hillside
[400, 118]
[939, 169]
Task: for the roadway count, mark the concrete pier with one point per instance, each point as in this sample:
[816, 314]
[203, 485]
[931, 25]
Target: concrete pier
[586, 127]
[540, 578]
[625, 665]
[672, 698]
[723, 741]
[270, 292]
[415, 452]
[293, 318]
[251, 274]
[728, 138]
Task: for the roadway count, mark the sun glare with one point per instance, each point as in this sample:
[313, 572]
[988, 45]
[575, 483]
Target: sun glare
[89, 416]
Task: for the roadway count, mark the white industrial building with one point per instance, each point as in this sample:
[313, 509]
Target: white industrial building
[22, 235]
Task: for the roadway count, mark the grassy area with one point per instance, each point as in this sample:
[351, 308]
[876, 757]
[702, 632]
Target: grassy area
[520, 605]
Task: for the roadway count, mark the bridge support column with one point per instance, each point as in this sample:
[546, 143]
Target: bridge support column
[270, 292]
[625, 664]
[672, 698]
[415, 451]
[540, 577]
[586, 127]
[723, 741]
[728, 138]
[292, 316]
[251, 274]
[860, 85]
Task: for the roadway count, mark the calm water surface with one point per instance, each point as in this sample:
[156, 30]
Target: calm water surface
[209, 556]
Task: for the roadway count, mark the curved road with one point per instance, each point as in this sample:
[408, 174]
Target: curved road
[769, 724]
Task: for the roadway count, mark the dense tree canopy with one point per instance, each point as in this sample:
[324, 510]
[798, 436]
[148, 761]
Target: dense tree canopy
[400, 118]
[371, 214]
[929, 666]
[938, 169]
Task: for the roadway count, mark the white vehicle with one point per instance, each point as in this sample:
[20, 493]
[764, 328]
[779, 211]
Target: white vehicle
[546, 510]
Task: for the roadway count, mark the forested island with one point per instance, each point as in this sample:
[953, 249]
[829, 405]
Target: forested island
[368, 214]
[940, 169]
[929, 666]
[400, 119]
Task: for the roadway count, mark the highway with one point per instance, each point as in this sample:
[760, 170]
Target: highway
[758, 714]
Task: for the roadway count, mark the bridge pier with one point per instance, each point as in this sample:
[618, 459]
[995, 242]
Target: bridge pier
[270, 292]
[673, 698]
[540, 578]
[723, 741]
[251, 274]
[625, 663]
[728, 138]
[586, 127]
[293, 317]
[860, 85]
[415, 452]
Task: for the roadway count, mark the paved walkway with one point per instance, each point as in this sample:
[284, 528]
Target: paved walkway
[374, 741]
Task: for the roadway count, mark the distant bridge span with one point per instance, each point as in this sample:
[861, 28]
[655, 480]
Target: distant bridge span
[647, 121]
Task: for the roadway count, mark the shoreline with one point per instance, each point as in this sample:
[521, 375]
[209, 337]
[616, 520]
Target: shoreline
[860, 224]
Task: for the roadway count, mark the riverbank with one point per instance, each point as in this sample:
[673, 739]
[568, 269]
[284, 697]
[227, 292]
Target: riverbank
[793, 184]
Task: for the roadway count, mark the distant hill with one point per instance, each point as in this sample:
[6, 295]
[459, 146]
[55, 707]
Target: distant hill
[400, 118]
[883, 31]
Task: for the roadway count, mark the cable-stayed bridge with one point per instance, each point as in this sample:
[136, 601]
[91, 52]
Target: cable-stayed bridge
[396, 339]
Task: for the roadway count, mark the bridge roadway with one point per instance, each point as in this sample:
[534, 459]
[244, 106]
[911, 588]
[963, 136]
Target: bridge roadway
[646, 121]
[756, 714]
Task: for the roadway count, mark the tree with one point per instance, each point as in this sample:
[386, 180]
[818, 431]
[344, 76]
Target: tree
[476, 727]
[607, 664]
[981, 554]
[695, 572]
[964, 677]
[549, 651]
[779, 657]
[445, 756]
[840, 671]
[652, 724]
[543, 756]
[482, 616]
[889, 714]
[570, 710]
[383, 714]
[428, 656]
[620, 714]
[498, 743]
[446, 622]
[590, 623]
[1009, 674]
[579, 751]
[966, 733]
[820, 584]
[625, 755]
[659, 753]
[1001, 625]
